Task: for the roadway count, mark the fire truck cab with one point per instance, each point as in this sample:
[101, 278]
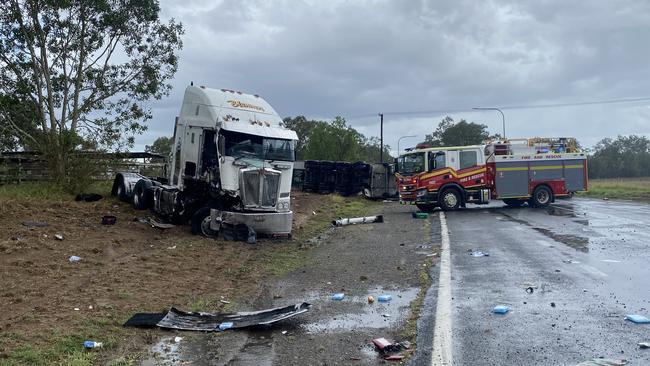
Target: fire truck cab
[516, 171]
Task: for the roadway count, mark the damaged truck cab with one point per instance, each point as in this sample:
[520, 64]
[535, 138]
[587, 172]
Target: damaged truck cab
[231, 162]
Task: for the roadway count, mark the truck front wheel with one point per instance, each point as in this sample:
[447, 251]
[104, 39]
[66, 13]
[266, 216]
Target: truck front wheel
[201, 223]
[449, 199]
[542, 196]
[142, 197]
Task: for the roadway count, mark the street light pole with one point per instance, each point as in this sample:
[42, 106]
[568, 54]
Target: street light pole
[381, 138]
[503, 117]
[399, 139]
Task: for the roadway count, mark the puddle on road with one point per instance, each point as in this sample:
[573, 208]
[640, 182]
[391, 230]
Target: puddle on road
[165, 352]
[365, 315]
[578, 243]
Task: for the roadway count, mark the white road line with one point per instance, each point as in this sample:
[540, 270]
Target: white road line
[442, 342]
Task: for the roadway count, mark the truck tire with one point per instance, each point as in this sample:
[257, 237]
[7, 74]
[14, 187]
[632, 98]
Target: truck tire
[513, 202]
[449, 199]
[542, 197]
[142, 197]
[120, 189]
[201, 223]
[426, 207]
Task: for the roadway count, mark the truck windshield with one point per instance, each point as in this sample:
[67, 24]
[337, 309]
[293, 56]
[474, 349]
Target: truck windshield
[241, 145]
[410, 163]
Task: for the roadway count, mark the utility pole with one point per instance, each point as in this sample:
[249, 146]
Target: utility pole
[381, 138]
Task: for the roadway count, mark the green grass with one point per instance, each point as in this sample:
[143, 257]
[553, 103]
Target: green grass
[47, 191]
[619, 188]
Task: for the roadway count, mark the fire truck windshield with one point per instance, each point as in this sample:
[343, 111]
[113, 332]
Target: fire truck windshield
[410, 164]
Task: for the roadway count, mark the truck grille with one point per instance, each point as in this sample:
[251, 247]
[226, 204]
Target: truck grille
[260, 188]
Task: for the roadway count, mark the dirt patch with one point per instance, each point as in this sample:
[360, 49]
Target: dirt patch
[124, 268]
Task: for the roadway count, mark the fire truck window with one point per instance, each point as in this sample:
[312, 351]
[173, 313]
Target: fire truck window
[467, 159]
[440, 161]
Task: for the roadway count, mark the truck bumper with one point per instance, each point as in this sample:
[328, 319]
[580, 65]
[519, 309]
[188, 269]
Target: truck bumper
[267, 223]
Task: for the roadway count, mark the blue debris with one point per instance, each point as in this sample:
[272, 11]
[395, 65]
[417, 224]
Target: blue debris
[338, 296]
[225, 325]
[500, 309]
[384, 298]
[638, 319]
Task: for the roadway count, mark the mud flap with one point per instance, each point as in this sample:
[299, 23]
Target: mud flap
[178, 319]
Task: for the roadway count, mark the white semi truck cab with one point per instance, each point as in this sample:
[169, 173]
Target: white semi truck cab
[232, 161]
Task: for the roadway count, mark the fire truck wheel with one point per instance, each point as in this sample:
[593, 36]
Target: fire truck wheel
[426, 208]
[513, 202]
[542, 196]
[449, 199]
[201, 223]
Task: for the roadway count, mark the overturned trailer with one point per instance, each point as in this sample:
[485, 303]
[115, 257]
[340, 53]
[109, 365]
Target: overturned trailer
[231, 162]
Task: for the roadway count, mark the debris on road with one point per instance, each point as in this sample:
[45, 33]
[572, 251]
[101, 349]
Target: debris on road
[88, 197]
[371, 299]
[338, 296]
[153, 222]
[390, 351]
[33, 224]
[224, 301]
[109, 220]
[638, 319]
[424, 246]
[478, 253]
[74, 258]
[58, 236]
[92, 344]
[530, 290]
[199, 321]
[570, 261]
[500, 309]
[358, 220]
[644, 345]
[178, 339]
[603, 362]
[420, 215]
[384, 298]
[552, 304]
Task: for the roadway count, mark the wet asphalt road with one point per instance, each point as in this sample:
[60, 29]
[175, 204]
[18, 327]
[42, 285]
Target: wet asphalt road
[587, 262]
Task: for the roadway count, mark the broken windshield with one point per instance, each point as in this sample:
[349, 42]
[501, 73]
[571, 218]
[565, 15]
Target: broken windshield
[241, 145]
[410, 164]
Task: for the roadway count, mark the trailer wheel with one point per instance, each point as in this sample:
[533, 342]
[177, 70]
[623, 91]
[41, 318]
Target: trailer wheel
[201, 223]
[542, 196]
[142, 195]
[513, 202]
[426, 207]
[449, 199]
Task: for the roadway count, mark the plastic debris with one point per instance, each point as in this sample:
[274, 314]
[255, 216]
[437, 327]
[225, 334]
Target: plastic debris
[225, 325]
[178, 339]
[284, 332]
[390, 350]
[92, 344]
[384, 298]
[500, 309]
[338, 296]
[478, 253]
[420, 215]
[358, 220]
[530, 290]
[644, 345]
[109, 220]
[58, 236]
[371, 299]
[76, 309]
[225, 301]
[638, 319]
[386, 315]
[32, 224]
[74, 258]
[603, 362]
[570, 261]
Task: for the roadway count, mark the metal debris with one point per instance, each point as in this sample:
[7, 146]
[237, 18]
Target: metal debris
[199, 321]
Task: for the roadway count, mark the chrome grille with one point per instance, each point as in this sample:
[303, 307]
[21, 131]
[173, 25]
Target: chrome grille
[260, 188]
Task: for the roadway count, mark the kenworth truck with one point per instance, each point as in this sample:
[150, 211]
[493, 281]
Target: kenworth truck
[533, 170]
[231, 162]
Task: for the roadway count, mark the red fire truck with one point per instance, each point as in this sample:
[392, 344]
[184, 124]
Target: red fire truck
[533, 170]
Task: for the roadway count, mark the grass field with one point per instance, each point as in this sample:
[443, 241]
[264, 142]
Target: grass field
[622, 188]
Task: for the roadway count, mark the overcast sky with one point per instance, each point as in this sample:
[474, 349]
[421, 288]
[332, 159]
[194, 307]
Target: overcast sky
[360, 58]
